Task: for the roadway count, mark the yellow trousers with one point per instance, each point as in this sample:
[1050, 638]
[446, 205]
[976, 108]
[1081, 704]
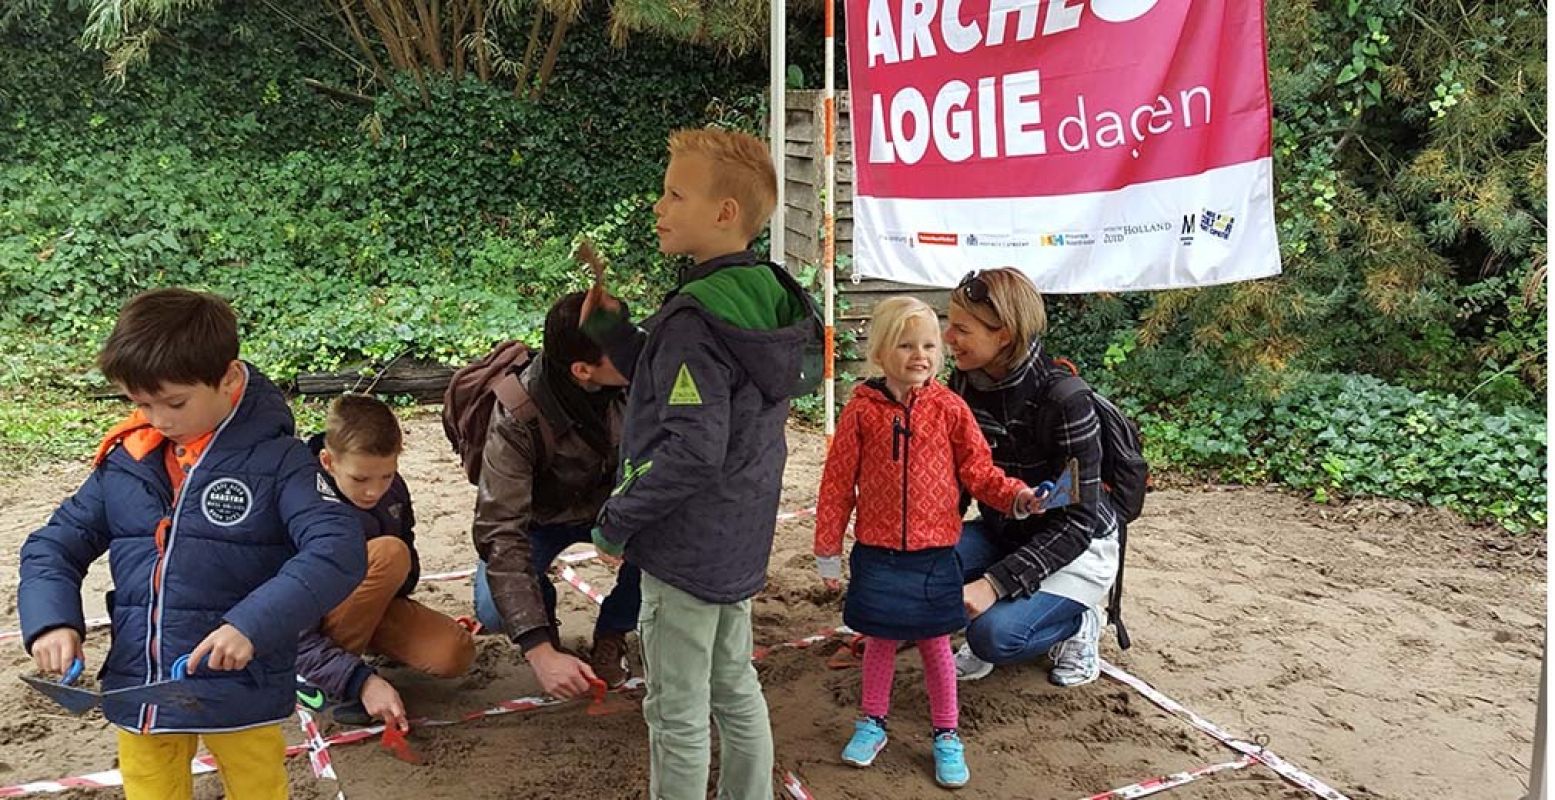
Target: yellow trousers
[252, 764]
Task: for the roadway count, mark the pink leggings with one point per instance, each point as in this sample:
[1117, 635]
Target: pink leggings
[939, 673]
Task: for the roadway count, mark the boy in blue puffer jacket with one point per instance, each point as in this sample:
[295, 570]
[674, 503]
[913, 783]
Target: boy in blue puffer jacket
[219, 542]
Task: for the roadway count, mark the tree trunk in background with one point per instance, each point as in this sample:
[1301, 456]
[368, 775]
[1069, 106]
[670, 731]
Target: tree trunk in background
[530, 50]
[551, 53]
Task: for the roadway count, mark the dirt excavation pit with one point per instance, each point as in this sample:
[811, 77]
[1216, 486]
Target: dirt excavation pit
[1391, 651]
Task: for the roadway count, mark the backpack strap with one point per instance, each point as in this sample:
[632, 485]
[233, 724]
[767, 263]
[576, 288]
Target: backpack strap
[1115, 597]
[1060, 391]
[508, 391]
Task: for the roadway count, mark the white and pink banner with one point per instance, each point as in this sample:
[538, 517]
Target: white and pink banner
[1097, 145]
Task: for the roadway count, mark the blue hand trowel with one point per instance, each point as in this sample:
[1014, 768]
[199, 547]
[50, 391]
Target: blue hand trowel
[1061, 491]
[77, 700]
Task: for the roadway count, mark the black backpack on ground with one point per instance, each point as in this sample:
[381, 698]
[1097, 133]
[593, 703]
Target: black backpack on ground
[1125, 474]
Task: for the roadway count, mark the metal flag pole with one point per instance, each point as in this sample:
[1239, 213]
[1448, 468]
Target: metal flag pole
[777, 127]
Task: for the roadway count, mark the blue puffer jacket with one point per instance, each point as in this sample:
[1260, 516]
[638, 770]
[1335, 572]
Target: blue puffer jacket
[251, 543]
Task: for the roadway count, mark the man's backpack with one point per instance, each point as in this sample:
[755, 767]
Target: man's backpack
[1124, 473]
[471, 393]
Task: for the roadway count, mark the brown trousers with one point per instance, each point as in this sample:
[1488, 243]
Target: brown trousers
[373, 620]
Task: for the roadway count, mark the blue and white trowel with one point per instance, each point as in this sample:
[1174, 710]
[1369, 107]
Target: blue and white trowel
[1061, 491]
[172, 692]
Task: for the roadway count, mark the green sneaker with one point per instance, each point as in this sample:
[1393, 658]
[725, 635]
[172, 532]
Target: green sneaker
[309, 696]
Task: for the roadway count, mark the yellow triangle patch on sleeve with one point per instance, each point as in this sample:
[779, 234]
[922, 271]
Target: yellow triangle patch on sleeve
[685, 391]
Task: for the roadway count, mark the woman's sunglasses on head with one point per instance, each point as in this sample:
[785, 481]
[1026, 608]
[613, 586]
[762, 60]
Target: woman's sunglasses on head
[973, 287]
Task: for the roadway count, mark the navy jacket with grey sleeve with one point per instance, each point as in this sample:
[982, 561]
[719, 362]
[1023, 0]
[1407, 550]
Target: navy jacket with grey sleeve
[703, 447]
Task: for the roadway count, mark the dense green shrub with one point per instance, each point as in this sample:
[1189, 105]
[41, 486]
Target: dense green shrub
[1337, 436]
[343, 233]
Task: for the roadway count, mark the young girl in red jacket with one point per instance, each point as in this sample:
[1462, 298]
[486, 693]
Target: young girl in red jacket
[905, 446]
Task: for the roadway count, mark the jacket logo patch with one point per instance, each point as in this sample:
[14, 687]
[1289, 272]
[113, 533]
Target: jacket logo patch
[226, 502]
[685, 391]
[324, 490]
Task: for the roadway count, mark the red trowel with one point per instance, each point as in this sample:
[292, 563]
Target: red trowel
[394, 741]
[606, 702]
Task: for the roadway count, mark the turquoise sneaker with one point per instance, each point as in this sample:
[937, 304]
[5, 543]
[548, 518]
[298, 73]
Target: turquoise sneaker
[868, 740]
[950, 762]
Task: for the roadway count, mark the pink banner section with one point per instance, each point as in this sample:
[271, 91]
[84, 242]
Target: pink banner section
[1070, 138]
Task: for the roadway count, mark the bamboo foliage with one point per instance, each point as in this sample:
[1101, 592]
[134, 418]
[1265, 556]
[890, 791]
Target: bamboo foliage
[422, 38]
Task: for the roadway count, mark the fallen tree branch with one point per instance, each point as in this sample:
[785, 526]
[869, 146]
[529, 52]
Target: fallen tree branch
[337, 92]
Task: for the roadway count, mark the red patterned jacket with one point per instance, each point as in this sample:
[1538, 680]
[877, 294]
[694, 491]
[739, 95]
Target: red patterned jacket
[903, 467]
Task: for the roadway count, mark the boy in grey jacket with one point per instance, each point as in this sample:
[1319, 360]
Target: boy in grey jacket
[703, 452]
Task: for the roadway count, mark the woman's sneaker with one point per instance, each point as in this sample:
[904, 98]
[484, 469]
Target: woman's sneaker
[1077, 660]
[969, 667]
[950, 761]
[868, 740]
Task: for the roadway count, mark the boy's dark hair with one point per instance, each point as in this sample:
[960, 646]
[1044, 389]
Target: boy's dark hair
[170, 336]
[565, 341]
[360, 424]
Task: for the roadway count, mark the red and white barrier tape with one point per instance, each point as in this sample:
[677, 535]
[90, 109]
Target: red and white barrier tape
[96, 780]
[1176, 779]
[803, 512]
[1284, 768]
[317, 746]
[456, 575]
[205, 764]
[107, 779]
[575, 580]
[762, 651]
[318, 749]
[795, 788]
[464, 574]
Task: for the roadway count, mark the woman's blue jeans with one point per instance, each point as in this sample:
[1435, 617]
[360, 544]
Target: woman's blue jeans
[1015, 629]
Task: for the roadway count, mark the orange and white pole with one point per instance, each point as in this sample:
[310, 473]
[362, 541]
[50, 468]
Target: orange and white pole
[829, 220]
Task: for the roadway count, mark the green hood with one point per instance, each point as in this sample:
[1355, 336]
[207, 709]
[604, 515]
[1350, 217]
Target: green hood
[748, 297]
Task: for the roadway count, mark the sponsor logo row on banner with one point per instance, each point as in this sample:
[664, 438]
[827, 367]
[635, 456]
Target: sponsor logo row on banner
[1218, 224]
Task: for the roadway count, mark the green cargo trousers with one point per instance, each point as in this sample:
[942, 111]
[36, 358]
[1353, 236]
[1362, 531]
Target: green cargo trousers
[697, 656]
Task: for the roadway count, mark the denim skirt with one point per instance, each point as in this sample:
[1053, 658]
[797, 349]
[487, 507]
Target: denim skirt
[904, 596]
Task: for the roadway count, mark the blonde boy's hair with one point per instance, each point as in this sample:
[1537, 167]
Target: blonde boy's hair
[890, 320]
[742, 169]
[1013, 303]
[361, 424]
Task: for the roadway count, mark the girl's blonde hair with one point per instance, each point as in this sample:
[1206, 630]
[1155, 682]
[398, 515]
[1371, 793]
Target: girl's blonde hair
[890, 320]
[1012, 303]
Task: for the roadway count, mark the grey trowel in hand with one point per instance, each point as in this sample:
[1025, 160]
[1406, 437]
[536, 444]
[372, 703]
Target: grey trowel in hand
[76, 700]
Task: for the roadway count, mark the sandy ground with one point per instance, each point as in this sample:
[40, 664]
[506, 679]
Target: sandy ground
[1390, 650]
